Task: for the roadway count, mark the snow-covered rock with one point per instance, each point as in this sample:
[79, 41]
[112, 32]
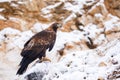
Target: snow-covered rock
[79, 65]
[86, 48]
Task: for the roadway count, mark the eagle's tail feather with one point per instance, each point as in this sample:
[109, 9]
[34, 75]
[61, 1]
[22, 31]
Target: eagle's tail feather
[23, 66]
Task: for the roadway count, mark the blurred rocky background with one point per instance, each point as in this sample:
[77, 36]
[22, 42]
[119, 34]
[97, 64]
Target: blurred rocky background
[91, 24]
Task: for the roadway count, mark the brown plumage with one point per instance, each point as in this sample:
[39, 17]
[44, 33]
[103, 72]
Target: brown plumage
[36, 46]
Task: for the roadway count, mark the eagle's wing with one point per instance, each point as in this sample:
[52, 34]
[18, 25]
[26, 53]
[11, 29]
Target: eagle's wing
[52, 44]
[27, 42]
[38, 43]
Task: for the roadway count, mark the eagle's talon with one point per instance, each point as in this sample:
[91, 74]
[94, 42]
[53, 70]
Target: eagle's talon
[45, 59]
[38, 61]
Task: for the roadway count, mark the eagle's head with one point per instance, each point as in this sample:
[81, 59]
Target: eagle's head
[56, 25]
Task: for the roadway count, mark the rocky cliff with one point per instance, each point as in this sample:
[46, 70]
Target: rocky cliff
[87, 46]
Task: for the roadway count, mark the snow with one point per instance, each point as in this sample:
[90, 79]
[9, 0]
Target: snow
[24, 36]
[83, 65]
[46, 10]
[1, 9]
[76, 64]
[74, 8]
[72, 16]
[77, 8]
[37, 27]
[9, 31]
[92, 30]
[111, 23]
[5, 0]
[14, 5]
[1, 17]
[61, 40]
[1, 37]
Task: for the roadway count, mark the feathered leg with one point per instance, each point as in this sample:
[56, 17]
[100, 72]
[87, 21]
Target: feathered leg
[43, 57]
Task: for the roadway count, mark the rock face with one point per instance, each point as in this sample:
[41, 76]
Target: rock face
[89, 37]
[24, 13]
[113, 6]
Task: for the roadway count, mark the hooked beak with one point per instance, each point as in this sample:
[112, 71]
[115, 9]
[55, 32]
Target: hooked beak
[59, 25]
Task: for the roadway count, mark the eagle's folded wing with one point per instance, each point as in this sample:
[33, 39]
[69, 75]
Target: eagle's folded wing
[37, 44]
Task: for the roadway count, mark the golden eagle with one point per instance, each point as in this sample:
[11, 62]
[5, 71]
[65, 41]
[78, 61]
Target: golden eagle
[37, 45]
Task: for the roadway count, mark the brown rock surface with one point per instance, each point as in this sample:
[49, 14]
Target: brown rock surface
[113, 6]
[8, 23]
